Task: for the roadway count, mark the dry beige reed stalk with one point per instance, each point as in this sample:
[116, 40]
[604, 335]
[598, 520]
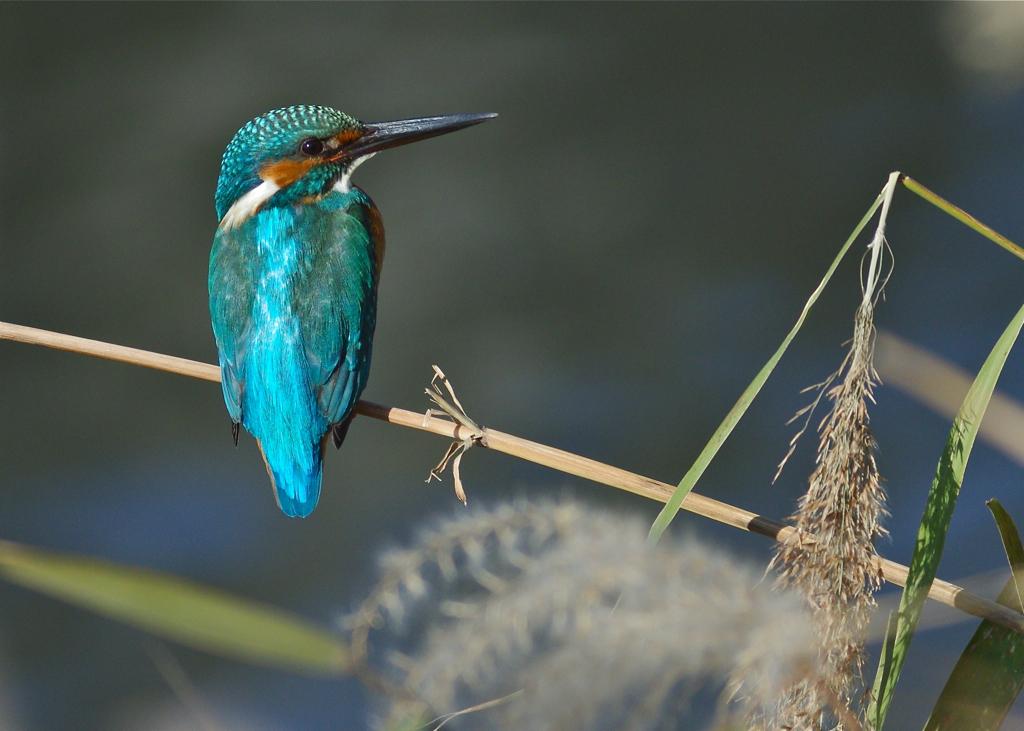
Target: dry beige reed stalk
[557, 459]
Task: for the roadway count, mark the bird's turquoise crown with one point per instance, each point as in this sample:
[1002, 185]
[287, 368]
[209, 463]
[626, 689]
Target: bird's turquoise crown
[277, 138]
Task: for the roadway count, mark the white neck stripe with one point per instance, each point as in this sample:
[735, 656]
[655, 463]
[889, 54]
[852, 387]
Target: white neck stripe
[247, 205]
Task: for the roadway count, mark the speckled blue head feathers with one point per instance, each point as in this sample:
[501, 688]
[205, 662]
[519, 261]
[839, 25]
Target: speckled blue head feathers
[277, 137]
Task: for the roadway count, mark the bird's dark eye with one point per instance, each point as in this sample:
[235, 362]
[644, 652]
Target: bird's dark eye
[311, 147]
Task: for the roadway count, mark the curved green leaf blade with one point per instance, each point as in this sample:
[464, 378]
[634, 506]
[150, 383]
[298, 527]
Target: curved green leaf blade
[884, 665]
[1011, 544]
[938, 511]
[671, 508]
[986, 679]
[990, 673]
[202, 617]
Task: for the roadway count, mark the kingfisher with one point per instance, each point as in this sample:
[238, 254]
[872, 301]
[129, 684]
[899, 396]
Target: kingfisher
[293, 282]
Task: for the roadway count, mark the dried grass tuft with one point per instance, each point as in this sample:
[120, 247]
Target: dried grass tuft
[830, 558]
[555, 616]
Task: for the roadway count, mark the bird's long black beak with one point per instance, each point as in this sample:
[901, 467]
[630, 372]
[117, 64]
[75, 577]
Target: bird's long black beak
[381, 135]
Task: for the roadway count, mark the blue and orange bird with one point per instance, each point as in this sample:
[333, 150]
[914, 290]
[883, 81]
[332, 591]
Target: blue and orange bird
[293, 282]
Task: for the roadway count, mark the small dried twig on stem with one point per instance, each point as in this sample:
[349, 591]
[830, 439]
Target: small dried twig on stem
[457, 414]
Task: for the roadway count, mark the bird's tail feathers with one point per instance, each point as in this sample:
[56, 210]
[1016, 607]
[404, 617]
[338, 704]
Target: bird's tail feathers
[297, 489]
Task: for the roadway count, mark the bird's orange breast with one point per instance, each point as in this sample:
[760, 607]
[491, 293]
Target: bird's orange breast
[377, 230]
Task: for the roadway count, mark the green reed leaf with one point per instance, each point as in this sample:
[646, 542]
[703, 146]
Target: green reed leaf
[990, 673]
[962, 216]
[668, 512]
[1011, 544]
[192, 614]
[938, 511]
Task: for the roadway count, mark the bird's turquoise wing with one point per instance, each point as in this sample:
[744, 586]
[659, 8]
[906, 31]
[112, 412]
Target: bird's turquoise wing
[232, 289]
[336, 300]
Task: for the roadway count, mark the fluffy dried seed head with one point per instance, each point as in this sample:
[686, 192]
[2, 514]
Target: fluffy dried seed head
[831, 557]
[560, 617]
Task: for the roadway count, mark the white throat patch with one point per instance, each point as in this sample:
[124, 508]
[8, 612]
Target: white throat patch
[246, 206]
[344, 184]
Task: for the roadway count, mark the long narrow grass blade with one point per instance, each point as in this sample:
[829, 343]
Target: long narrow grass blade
[941, 386]
[736, 412]
[931, 535]
[884, 664]
[962, 216]
[202, 617]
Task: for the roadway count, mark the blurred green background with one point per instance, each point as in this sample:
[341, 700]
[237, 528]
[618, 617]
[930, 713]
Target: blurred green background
[603, 268]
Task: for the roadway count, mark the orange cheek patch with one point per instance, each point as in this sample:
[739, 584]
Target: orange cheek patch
[340, 140]
[347, 136]
[285, 172]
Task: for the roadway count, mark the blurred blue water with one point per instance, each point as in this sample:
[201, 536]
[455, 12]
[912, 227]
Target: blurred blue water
[603, 268]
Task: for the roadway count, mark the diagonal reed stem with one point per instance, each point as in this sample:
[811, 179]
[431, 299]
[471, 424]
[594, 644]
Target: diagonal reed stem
[557, 459]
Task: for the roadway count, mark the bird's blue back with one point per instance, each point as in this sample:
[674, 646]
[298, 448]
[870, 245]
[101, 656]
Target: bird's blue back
[293, 293]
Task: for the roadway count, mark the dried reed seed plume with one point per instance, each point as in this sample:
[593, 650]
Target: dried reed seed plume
[403, 585]
[831, 557]
[569, 609]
